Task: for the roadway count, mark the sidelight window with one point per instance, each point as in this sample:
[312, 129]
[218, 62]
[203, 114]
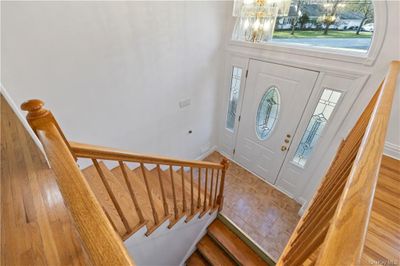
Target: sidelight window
[233, 97]
[318, 121]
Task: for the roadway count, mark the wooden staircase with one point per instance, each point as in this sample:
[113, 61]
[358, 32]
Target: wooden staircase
[129, 210]
[221, 246]
[109, 204]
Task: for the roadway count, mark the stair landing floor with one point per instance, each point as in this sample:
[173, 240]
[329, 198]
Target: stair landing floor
[269, 217]
[262, 212]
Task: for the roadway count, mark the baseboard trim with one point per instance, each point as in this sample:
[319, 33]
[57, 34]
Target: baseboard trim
[392, 150]
[20, 116]
[204, 155]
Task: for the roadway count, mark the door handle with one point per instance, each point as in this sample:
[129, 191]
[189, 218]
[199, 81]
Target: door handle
[283, 148]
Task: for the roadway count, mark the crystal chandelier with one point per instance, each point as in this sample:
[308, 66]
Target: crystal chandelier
[256, 20]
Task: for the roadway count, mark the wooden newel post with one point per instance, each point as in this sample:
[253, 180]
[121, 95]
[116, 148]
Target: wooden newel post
[103, 245]
[36, 113]
[38, 116]
[220, 199]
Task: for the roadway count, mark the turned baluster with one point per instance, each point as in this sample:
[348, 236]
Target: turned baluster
[165, 204]
[131, 191]
[146, 182]
[112, 196]
[183, 190]
[199, 189]
[220, 199]
[205, 192]
[211, 188]
[191, 192]
[173, 193]
[216, 189]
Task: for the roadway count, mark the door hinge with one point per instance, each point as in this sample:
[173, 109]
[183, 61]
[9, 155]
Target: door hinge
[234, 150]
[239, 118]
[247, 73]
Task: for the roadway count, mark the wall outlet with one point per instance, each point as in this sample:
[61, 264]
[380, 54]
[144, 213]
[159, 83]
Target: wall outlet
[185, 102]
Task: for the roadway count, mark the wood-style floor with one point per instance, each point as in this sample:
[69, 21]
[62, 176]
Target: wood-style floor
[382, 244]
[262, 212]
[269, 217]
[35, 226]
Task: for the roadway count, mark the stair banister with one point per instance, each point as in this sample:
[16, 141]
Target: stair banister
[105, 153]
[333, 228]
[101, 242]
[345, 239]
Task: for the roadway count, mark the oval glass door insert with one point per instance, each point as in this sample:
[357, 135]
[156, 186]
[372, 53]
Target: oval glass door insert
[267, 113]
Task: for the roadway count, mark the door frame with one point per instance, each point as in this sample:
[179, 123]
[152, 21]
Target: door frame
[295, 124]
[350, 84]
[227, 138]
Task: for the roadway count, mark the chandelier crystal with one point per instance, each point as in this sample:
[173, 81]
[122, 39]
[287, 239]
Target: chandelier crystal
[257, 18]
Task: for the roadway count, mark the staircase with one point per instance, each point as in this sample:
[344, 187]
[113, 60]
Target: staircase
[123, 195]
[121, 192]
[222, 246]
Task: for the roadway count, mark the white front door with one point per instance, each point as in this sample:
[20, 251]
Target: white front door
[274, 100]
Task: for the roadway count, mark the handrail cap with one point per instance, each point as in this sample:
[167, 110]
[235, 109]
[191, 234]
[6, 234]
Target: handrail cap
[35, 108]
[225, 162]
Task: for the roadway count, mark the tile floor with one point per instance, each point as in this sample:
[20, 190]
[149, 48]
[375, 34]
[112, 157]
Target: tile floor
[265, 214]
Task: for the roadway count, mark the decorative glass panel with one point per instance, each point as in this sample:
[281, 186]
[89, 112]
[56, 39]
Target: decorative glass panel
[318, 121]
[267, 113]
[233, 97]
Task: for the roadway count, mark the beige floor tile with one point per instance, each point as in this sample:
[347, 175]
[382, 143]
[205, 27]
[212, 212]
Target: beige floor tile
[264, 213]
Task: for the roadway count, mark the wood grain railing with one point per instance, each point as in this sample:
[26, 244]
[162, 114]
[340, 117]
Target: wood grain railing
[207, 196]
[102, 244]
[95, 225]
[332, 230]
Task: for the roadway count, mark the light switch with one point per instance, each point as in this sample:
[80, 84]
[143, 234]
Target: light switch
[184, 103]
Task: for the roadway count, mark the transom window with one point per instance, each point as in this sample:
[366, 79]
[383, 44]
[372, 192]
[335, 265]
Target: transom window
[341, 24]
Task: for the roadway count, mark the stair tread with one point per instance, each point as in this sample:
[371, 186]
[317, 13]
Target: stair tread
[196, 260]
[236, 247]
[178, 191]
[105, 200]
[213, 253]
[154, 182]
[140, 191]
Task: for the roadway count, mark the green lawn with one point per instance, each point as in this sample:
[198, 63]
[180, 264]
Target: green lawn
[319, 34]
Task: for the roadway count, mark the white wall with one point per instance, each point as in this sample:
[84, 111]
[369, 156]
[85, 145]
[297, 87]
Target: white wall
[114, 72]
[168, 247]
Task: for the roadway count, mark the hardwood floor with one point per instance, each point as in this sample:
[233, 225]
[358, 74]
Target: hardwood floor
[36, 228]
[269, 217]
[35, 225]
[382, 244]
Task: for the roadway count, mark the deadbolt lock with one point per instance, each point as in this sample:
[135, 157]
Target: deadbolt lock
[283, 148]
[286, 141]
[288, 135]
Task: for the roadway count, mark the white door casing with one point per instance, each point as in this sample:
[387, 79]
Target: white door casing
[265, 157]
[294, 180]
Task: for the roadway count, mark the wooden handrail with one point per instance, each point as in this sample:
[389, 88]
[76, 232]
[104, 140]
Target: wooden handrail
[332, 229]
[105, 153]
[101, 242]
[345, 239]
